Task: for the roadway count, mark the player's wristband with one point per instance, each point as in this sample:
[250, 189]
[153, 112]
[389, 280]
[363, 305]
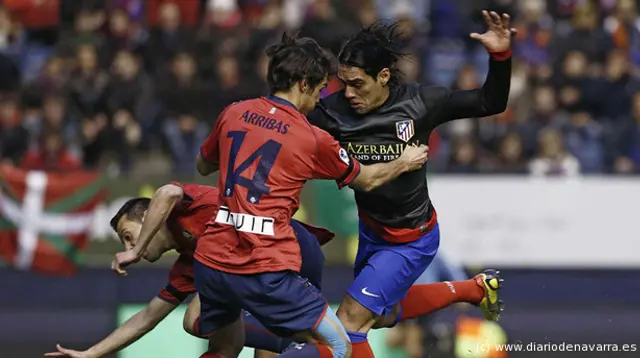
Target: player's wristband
[500, 56]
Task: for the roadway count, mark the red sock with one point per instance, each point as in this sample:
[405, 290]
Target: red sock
[210, 355]
[361, 350]
[324, 350]
[424, 299]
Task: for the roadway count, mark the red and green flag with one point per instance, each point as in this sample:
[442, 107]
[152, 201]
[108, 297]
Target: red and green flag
[45, 217]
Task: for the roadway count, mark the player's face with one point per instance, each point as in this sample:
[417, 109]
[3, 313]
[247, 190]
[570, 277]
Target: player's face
[364, 92]
[129, 233]
[311, 97]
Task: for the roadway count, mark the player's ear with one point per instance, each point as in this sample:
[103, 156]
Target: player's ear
[304, 86]
[384, 76]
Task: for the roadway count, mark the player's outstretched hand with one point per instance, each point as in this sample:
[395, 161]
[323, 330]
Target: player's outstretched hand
[498, 36]
[414, 157]
[70, 353]
[123, 259]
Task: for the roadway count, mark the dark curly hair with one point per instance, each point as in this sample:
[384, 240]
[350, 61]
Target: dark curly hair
[296, 59]
[375, 48]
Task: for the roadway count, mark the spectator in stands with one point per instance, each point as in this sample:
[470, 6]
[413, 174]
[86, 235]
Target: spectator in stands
[130, 87]
[510, 157]
[184, 98]
[464, 157]
[51, 153]
[14, 137]
[535, 30]
[182, 90]
[94, 140]
[87, 23]
[229, 86]
[125, 137]
[624, 27]
[39, 17]
[87, 83]
[55, 118]
[627, 138]
[12, 38]
[552, 159]
[122, 34]
[168, 38]
[52, 79]
[617, 87]
[584, 35]
[583, 137]
[325, 26]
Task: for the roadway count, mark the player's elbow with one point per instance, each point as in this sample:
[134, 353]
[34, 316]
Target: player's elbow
[369, 178]
[204, 167]
[170, 192]
[499, 107]
[496, 105]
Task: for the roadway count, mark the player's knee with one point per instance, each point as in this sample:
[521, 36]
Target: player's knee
[389, 320]
[354, 316]
[190, 326]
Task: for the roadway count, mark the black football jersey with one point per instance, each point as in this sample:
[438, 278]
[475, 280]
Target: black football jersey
[408, 117]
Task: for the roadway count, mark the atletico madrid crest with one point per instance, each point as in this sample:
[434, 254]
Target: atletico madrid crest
[404, 130]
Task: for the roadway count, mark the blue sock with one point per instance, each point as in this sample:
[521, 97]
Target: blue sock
[357, 337]
[258, 336]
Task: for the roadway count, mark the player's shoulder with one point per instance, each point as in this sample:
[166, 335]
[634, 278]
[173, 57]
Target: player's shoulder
[432, 93]
[196, 193]
[330, 111]
[335, 103]
[239, 107]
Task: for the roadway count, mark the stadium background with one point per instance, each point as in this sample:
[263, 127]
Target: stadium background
[546, 191]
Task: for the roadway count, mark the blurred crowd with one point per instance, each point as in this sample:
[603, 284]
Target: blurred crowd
[133, 86]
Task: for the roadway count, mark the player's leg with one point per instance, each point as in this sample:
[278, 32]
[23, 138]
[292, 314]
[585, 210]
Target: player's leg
[226, 341]
[311, 253]
[296, 309]
[383, 273]
[219, 320]
[424, 299]
[259, 353]
[192, 316]
[256, 334]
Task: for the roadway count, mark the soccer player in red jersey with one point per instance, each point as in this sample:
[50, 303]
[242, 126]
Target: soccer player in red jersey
[175, 218]
[266, 150]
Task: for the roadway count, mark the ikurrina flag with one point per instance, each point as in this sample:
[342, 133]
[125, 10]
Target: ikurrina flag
[45, 217]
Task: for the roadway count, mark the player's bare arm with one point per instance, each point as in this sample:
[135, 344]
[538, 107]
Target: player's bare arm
[493, 96]
[133, 329]
[373, 176]
[205, 167]
[161, 205]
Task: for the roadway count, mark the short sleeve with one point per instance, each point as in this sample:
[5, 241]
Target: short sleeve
[180, 284]
[332, 161]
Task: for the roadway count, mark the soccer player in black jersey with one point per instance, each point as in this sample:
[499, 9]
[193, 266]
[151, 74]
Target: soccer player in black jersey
[374, 117]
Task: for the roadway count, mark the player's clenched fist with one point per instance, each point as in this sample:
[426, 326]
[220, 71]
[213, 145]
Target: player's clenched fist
[414, 157]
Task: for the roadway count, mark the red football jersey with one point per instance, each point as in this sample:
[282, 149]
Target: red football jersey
[266, 151]
[187, 222]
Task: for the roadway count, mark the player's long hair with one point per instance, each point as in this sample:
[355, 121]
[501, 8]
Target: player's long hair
[295, 59]
[375, 48]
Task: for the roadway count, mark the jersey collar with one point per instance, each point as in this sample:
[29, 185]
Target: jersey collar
[281, 101]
